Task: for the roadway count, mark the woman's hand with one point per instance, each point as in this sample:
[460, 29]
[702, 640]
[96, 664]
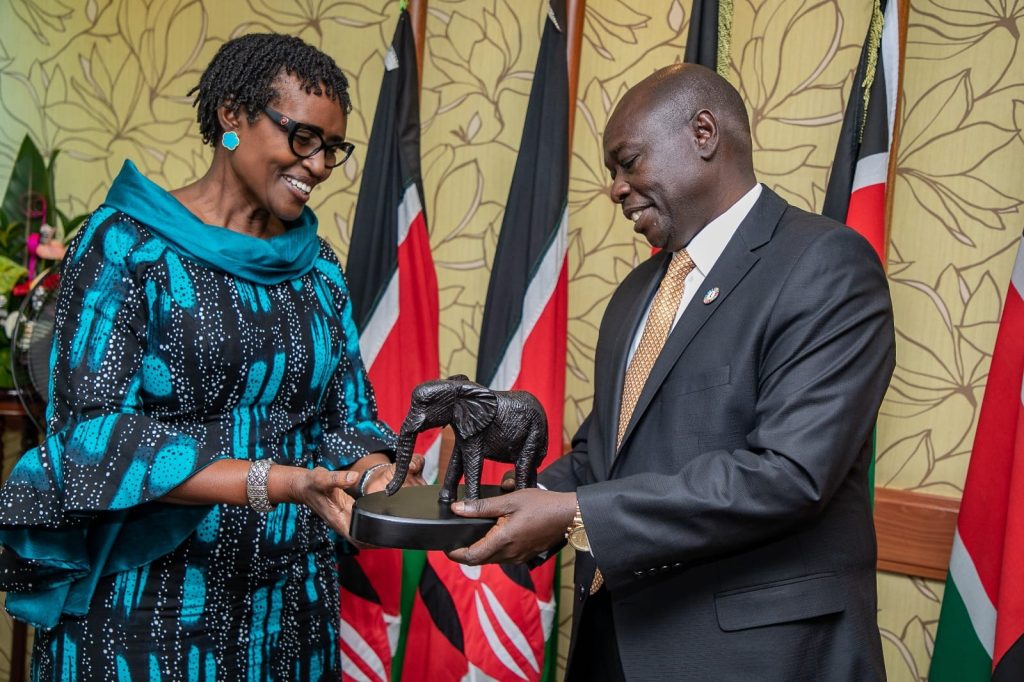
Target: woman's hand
[381, 476]
[323, 491]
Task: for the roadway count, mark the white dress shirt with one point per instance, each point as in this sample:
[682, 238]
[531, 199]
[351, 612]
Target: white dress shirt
[704, 249]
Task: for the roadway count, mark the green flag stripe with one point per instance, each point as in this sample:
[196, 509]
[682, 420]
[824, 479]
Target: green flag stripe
[551, 646]
[413, 561]
[979, 608]
[959, 655]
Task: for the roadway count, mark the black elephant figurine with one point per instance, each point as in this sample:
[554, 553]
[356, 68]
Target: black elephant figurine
[504, 426]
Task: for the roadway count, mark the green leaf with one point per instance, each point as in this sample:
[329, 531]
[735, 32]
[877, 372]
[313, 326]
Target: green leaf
[6, 380]
[10, 273]
[29, 175]
[69, 226]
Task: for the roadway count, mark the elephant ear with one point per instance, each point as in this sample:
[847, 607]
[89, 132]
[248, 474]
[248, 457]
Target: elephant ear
[474, 409]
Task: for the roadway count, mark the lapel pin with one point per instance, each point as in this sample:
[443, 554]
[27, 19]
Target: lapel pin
[711, 295]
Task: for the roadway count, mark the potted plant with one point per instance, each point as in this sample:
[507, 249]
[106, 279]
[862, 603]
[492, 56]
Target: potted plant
[33, 232]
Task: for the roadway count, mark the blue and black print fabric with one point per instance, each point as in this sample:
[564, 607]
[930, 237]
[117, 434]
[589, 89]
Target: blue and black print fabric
[178, 344]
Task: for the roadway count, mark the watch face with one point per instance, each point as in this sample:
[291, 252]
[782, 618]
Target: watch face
[579, 540]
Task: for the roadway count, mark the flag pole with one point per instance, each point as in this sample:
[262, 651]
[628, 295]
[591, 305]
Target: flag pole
[904, 14]
[418, 20]
[574, 42]
[413, 561]
[574, 11]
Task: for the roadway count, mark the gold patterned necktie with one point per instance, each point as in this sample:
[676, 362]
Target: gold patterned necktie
[656, 330]
[659, 324]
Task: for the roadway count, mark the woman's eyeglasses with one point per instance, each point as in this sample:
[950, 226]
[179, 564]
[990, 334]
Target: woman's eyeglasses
[306, 140]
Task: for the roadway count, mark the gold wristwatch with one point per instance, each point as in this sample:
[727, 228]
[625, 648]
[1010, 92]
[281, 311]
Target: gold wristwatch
[576, 533]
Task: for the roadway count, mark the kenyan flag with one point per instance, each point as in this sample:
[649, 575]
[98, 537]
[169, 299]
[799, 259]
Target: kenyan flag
[981, 628]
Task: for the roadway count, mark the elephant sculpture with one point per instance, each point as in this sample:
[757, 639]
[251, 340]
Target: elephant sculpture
[503, 426]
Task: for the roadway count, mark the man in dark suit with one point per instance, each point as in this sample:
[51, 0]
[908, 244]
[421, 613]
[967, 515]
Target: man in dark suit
[717, 494]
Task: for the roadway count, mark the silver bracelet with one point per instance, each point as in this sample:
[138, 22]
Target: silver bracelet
[256, 485]
[365, 478]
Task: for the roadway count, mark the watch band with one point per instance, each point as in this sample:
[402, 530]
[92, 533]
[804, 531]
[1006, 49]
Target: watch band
[256, 485]
[577, 521]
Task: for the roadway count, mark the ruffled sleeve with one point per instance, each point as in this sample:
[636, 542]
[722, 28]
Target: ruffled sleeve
[351, 428]
[85, 503]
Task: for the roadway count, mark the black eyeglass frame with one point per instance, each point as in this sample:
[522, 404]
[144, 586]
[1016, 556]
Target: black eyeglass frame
[343, 149]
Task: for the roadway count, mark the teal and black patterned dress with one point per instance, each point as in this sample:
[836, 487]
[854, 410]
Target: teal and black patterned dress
[179, 344]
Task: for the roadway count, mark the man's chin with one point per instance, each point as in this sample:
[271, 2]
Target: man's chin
[656, 240]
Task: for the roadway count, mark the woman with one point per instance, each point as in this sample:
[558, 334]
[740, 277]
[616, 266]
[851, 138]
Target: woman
[208, 406]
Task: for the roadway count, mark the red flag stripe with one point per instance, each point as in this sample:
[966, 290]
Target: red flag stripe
[400, 349]
[866, 214]
[538, 293]
[498, 616]
[360, 659]
[548, 340]
[982, 517]
[1010, 610]
[987, 523]
[385, 315]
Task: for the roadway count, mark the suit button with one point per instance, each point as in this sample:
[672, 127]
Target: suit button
[583, 591]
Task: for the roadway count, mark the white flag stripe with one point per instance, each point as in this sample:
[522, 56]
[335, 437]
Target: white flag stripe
[1017, 282]
[871, 170]
[432, 460]
[351, 670]
[547, 615]
[510, 627]
[492, 638]
[538, 293]
[979, 607]
[363, 650]
[393, 623]
[1017, 278]
[407, 211]
[475, 674]
[891, 61]
[385, 315]
[383, 320]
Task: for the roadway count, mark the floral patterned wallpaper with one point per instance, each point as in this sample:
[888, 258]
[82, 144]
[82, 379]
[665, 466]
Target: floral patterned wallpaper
[105, 80]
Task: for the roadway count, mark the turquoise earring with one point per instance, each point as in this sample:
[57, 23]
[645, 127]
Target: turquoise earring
[230, 140]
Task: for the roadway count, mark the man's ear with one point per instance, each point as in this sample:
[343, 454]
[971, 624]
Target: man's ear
[705, 132]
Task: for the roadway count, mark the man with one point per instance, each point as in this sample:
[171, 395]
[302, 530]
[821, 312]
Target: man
[721, 477]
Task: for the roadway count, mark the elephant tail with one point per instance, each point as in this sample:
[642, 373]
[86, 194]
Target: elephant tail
[403, 456]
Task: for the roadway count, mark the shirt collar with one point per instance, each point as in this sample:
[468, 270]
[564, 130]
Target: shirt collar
[709, 243]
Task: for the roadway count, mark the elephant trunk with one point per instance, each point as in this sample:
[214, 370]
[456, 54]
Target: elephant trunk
[403, 456]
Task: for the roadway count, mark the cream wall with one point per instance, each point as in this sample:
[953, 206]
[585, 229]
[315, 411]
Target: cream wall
[105, 80]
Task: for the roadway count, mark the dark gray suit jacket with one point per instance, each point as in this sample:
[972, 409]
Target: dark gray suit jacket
[733, 527]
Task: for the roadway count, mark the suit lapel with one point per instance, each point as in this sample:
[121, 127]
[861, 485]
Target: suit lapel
[636, 296]
[734, 263]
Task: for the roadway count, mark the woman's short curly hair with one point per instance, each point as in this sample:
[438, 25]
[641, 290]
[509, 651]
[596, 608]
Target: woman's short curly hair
[243, 71]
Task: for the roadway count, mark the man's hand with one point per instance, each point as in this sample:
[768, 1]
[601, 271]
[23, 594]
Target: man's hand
[530, 521]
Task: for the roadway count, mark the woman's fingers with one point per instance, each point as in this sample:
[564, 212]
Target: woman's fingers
[339, 512]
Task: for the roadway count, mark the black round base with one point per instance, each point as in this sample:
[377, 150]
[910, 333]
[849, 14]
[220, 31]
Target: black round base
[412, 518]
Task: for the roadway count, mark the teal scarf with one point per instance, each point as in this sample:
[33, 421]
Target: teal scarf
[263, 261]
